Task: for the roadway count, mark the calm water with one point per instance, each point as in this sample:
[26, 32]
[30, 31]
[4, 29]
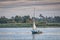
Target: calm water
[25, 34]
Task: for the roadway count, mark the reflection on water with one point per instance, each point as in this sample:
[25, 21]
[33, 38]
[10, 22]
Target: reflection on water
[33, 36]
[25, 34]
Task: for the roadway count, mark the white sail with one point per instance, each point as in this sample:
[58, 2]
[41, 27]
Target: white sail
[34, 26]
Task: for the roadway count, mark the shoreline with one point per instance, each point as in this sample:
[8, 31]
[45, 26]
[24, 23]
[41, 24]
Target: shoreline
[18, 25]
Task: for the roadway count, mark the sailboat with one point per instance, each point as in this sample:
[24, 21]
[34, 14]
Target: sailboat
[35, 31]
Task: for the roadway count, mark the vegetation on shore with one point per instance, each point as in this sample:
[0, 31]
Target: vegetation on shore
[26, 21]
[17, 25]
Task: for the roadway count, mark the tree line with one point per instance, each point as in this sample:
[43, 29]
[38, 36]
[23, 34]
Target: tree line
[28, 19]
[16, 19]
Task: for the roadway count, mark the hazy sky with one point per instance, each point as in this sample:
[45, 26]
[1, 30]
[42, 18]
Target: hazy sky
[48, 8]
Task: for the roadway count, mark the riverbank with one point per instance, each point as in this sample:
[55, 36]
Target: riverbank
[17, 25]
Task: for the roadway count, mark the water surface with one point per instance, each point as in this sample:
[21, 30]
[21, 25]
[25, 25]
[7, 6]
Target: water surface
[25, 34]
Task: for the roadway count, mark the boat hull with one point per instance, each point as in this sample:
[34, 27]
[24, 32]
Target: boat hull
[36, 32]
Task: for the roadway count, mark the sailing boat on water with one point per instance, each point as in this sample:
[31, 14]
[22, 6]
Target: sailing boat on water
[35, 31]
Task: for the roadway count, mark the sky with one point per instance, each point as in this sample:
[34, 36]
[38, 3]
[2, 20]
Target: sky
[49, 8]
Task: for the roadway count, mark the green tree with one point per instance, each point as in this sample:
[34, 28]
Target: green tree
[26, 18]
[57, 19]
[18, 19]
[3, 19]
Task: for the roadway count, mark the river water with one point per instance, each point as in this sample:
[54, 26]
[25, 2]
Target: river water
[25, 34]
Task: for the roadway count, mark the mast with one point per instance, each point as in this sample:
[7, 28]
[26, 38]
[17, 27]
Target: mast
[34, 26]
